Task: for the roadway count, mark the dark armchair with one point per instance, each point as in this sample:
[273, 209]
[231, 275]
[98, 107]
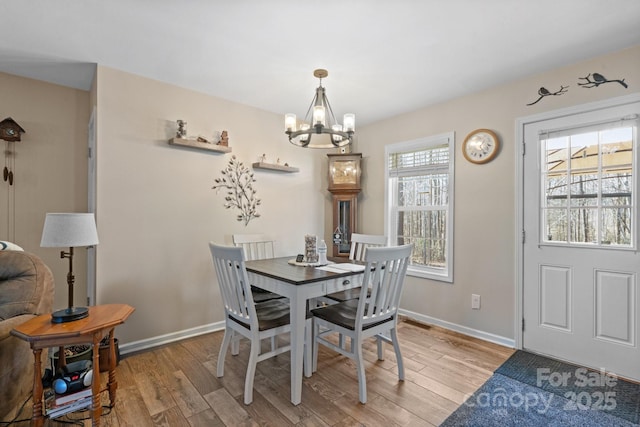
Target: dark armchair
[26, 290]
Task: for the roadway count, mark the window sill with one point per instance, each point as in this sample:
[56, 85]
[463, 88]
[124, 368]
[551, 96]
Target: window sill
[440, 277]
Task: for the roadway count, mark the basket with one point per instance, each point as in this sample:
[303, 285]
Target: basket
[85, 354]
[104, 354]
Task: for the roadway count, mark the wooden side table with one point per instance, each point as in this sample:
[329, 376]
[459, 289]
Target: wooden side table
[41, 333]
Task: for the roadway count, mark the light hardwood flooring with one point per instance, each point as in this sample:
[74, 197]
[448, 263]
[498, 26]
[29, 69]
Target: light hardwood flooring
[176, 385]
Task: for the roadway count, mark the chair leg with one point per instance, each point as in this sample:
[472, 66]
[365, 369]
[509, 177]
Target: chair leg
[380, 348]
[251, 371]
[396, 347]
[235, 343]
[308, 348]
[362, 381]
[223, 351]
[314, 345]
[341, 341]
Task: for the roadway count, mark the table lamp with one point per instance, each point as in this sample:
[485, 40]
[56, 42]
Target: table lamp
[69, 230]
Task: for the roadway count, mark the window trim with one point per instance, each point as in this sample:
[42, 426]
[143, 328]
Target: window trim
[443, 275]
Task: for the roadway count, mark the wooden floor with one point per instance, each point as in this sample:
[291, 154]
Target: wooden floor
[176, 385]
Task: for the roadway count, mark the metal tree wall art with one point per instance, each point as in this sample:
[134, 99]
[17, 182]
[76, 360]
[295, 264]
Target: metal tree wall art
[544, 92]
[598, 79]
[238, 181]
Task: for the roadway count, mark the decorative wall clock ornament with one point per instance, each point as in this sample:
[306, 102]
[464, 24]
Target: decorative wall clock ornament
[9, 131]
[481, 146]
[598, 79]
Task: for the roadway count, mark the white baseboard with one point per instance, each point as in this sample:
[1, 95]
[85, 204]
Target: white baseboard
[148, 343]
[486, 336]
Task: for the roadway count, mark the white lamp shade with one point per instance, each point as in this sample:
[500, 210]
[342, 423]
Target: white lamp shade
[349, 122]
[319, 115]
[69, 230]
[290, 122]
[304, 137]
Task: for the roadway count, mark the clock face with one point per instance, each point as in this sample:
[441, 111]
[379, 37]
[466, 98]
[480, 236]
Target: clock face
[480, 146]
[344, 172]
[9, 132]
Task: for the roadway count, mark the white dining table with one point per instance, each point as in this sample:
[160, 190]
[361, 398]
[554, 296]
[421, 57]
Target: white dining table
[300, 284]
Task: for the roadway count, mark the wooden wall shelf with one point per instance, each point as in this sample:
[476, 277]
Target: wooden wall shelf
[275, 167]
[192, 143]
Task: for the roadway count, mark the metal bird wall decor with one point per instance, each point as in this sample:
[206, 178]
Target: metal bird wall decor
[597, 79]
[590, 81]
[545, 92]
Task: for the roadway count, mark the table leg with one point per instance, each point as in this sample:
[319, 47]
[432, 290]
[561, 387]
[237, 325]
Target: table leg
[297, 317]
[37, 419]
[96, 405]
[62, 358]
[112, 384]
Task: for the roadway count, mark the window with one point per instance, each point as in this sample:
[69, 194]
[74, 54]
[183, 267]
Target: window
[419, 196]
[587, 180]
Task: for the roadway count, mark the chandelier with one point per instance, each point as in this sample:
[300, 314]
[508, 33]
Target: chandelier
[320, 128]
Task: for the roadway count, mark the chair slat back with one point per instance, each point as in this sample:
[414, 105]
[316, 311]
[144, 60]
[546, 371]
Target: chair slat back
[360, 243]
[384, 275]
[255, 246]
[234, 283]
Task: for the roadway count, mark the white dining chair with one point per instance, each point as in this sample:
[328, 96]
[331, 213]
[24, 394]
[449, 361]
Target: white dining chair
[363, 318]
[257, 246]
[243, 317]
[359, 245]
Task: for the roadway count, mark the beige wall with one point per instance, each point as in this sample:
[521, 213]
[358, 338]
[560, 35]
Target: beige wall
[156, 210]
[484, 234]
[50, 172]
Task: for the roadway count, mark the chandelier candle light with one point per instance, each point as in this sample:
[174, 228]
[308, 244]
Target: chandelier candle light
[69, 230]
[320, 128]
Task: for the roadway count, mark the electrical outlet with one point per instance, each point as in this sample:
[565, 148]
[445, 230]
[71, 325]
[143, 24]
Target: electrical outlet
[475, 302]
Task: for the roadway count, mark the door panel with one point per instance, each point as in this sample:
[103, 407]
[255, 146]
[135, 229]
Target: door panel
[555, 297]
[615, 307]
[581, 257]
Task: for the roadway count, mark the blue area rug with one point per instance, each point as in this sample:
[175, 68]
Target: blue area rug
[532, 390]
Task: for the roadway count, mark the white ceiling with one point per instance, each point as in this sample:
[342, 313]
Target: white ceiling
[384, 57]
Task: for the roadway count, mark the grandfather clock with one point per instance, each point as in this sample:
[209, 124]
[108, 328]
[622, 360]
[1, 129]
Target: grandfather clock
[344, 185]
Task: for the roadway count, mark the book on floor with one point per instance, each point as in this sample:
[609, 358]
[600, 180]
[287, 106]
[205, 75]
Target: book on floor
[52, 410]
[61, 399]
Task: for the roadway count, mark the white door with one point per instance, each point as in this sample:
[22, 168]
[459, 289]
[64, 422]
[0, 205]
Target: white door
[581, 262]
